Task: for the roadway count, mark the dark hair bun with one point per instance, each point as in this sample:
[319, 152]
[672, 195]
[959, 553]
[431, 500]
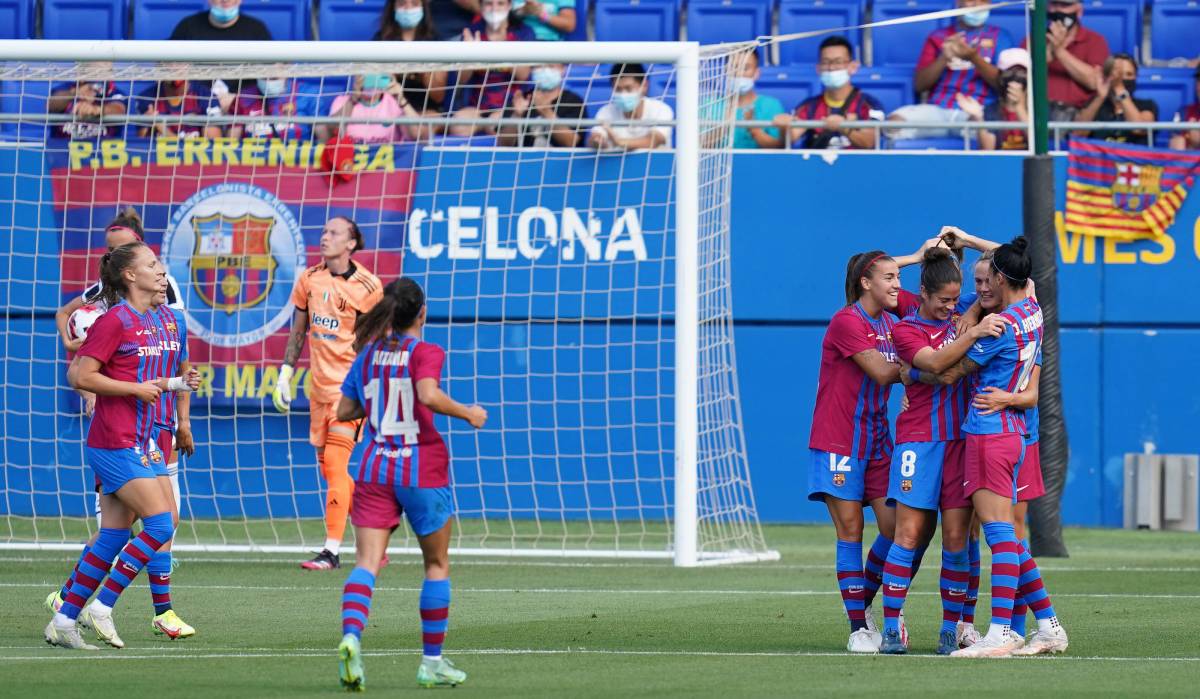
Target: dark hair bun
[1020, 244]
[936, 254]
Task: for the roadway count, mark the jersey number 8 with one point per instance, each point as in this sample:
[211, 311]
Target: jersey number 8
[399, 420]
[908, 463]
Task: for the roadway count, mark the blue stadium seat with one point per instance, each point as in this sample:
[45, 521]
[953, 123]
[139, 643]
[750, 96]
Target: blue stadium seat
[901, 45]
[591, 83]
[1170, 88]
[24, 97]
[84, 19]
[942, 143]
[791, 85]
[288, 20]
[582, 8]
[1174, 26]
[637, 20]
[1120, 23]
[16, 19]
[1012, 20]
[797, 16]
[348, 20]
[156, 19]
[892, 86]
[720, 21]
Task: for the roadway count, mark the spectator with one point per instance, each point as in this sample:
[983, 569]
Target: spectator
[277, 97]
[630, 103]
[1075, 53]
[1114, 102]
[451, 17]
[955, 60]
[1013, 104]
[176, 99]
[550, 20]
[1189, 140]
[88, 103]
[839, 103]
[487, 92]
[370, 99]
[222, 21]
[411, 20]
[547, 100]
[750, 105]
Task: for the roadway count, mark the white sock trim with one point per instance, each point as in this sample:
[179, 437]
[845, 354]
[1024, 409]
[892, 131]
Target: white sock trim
[431, 658]
[333, 546]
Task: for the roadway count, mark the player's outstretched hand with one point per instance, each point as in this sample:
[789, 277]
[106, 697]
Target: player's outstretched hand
[147, 391]
[477, 416]
[992, 325]
[991, 400]
[192, 379]
[283, 389]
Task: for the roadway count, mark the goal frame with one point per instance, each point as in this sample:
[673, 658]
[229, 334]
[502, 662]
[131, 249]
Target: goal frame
[684, 56]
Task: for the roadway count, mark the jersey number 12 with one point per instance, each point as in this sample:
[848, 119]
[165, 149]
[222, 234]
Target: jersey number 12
[399, 420]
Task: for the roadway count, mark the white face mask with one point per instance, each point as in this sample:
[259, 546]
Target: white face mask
[743, 84]
[626, 101]
[495, 18]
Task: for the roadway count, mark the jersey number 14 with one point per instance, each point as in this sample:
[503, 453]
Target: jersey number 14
[398, 419]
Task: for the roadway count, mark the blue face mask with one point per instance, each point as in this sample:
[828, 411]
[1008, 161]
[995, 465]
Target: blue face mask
[409, 17]
[833, 79]
[272, 87]
[974, 19]
[223, 15]
[376, 82]
[626, 101]
[546, 78]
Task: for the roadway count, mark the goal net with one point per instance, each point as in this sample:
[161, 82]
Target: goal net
[582, 293]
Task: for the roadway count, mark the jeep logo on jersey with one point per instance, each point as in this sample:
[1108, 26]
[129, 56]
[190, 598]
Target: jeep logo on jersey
[240, 249]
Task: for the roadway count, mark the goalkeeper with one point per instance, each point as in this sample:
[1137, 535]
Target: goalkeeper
[329, 298]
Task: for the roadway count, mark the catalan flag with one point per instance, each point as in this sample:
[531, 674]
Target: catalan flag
[1124, 191]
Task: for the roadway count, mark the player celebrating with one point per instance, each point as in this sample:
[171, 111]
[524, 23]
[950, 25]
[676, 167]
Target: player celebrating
[927, 464]
[405, 469]
[119, 362]
[329, 298]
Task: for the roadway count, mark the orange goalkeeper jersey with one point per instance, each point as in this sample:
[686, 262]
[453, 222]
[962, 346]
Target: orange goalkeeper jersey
[333, 303]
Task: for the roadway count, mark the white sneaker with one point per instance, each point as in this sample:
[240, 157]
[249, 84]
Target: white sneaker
[864, 641]
[102, 624]
[869, 614]
[1049, 642]
[966, 634]
[986, 647]
[903, 630]
[66, 638]
[1015, 640]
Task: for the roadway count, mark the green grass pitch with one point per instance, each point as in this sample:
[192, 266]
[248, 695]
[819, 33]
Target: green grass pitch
[562, 628]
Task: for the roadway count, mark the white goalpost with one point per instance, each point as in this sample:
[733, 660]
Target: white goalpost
[583, 295]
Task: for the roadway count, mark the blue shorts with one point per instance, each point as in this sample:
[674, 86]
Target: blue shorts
[379, 506]
[845, 478]
[916, 475]
[156, 449]
[116, 467]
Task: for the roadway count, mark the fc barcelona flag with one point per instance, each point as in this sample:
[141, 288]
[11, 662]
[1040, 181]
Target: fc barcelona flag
[1123, 191]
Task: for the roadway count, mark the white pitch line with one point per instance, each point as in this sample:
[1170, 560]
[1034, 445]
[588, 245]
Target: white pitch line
[250, 654]
[601, 591]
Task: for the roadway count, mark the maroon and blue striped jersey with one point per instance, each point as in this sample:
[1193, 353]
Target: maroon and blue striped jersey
[935, 413]
[960, 75]
[1006, 363]
[127, 345]
[171, 333]
[403, 445]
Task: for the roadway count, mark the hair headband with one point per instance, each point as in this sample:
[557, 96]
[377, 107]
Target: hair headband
[1006, 274]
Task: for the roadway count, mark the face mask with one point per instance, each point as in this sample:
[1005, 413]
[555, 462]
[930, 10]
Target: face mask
[376, 83]
[223, 15]
[626, 101]
[517, 5]
[1064, 18]
[834, 79]
[743, 84]
[273, 87]
[495, 19]
[546, 78]
[409, 17]
[1131, 86]
[975, 19]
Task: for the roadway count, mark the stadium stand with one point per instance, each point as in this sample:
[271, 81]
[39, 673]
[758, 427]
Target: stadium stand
[1174, 26]
[288, 20]
[637, 20]
[583, 11]
[797, 16]
[790, 84]
[155, 19]
[1171, 89]
[84, 19]
[1118, 21]
[901, 45]
[891, 85]
[719, 21]
[347, 20]
[16, 19]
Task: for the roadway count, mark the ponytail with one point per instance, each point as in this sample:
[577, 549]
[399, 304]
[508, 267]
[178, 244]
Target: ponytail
[128, 218]
[859, 266]
[1012, 261]
[113, 264]
[402, 302]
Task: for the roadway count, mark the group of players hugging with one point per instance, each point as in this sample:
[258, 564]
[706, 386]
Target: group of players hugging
[368, 364]
[966, 443]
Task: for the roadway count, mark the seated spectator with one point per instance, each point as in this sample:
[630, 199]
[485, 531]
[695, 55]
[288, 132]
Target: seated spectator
[487, 91]
[411, 20]
[550, 20]
[840, 102]
[1075, 54]
[222, 21]
[750, 105]
[547, 100]
[88, 103]
[370, 99]
[451, 17]
[277, 97]
[1013, 104]
[955, 60]
[630, 103]
[174, 100]
[1189, 140]
[1114, 101]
